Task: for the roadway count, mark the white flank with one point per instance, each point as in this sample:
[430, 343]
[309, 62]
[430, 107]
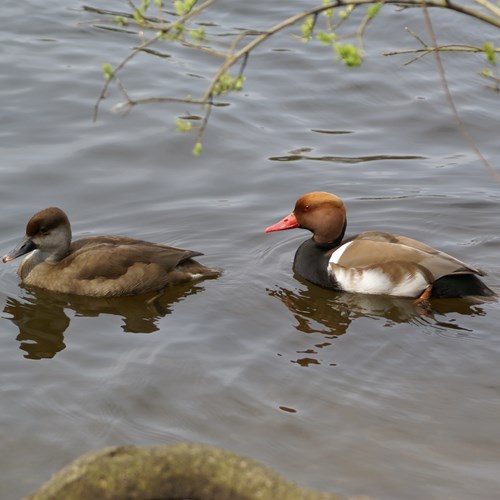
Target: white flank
[412, 286]
[376, 282]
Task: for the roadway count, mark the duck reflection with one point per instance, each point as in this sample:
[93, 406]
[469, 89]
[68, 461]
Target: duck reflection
[41, 327]
[330, 313]
[42, 317]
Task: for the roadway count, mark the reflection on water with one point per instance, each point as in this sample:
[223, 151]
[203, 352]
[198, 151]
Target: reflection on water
[41, 326]
[330, 313]
[42, 317]
[296, 156]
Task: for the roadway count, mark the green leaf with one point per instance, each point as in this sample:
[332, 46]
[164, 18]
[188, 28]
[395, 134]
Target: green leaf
[108, 71]
[489, 52]
[226, 79]
[183, 7]
[329, 12]
[197, 149]
[326, 38]
[179, 7]
[138, 17]
[226, 83]
[373, 10]
[199, 35]
[344, 14]
[122, 21]
[307, 27]
[238, 83]
[174, 33]
[349, 54]
[183, 125]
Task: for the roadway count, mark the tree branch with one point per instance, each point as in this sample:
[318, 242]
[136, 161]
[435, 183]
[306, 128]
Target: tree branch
[495, 21]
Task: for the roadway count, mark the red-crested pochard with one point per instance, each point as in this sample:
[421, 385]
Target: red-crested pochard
[372, 262]
[99, 266]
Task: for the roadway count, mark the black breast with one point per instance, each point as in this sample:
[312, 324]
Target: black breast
[311, 262]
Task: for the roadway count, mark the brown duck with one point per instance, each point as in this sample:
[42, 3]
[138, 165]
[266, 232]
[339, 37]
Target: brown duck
[373, 262]
[99, 266]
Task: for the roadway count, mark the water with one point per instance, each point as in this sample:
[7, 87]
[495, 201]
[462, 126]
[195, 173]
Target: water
[349, 394]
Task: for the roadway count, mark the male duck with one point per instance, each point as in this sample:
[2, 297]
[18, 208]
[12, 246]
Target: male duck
[373, 262]
[99, 266]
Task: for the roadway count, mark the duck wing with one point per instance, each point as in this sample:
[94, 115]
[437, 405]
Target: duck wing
[111, 265]
[379, 250]
[109, 255]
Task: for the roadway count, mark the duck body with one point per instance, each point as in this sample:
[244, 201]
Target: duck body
[373, 262]
[99, 266]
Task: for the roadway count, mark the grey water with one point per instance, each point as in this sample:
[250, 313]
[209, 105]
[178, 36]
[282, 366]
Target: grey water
[351, 394]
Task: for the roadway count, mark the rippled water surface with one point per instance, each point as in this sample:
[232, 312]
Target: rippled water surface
[358, 395]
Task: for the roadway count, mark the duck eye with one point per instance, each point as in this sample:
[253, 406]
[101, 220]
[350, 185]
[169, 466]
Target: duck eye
[306, 208]
[44, 230]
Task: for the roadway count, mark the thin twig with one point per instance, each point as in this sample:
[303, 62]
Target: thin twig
[131, 54]
[234, 54]
[414, 35]
[149, 100]
[440, 48]
[495, 21]
[460, 124]
[488, 5]
[204, 123]
[164, 29]
[362, 27]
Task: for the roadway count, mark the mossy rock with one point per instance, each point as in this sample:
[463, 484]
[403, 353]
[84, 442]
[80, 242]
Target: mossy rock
[179, 471]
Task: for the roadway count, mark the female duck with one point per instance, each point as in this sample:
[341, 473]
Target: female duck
[99, 266]
[372, 262]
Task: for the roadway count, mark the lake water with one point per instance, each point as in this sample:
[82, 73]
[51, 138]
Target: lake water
[357, 395]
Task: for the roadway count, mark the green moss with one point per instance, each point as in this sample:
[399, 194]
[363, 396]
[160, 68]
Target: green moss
[181, 470]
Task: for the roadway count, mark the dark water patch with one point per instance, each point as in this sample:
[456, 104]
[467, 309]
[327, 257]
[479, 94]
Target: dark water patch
[333, 132]
[114, 29]
[345, 159]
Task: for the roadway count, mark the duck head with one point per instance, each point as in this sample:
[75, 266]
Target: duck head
[48, 231]
[321, 213]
